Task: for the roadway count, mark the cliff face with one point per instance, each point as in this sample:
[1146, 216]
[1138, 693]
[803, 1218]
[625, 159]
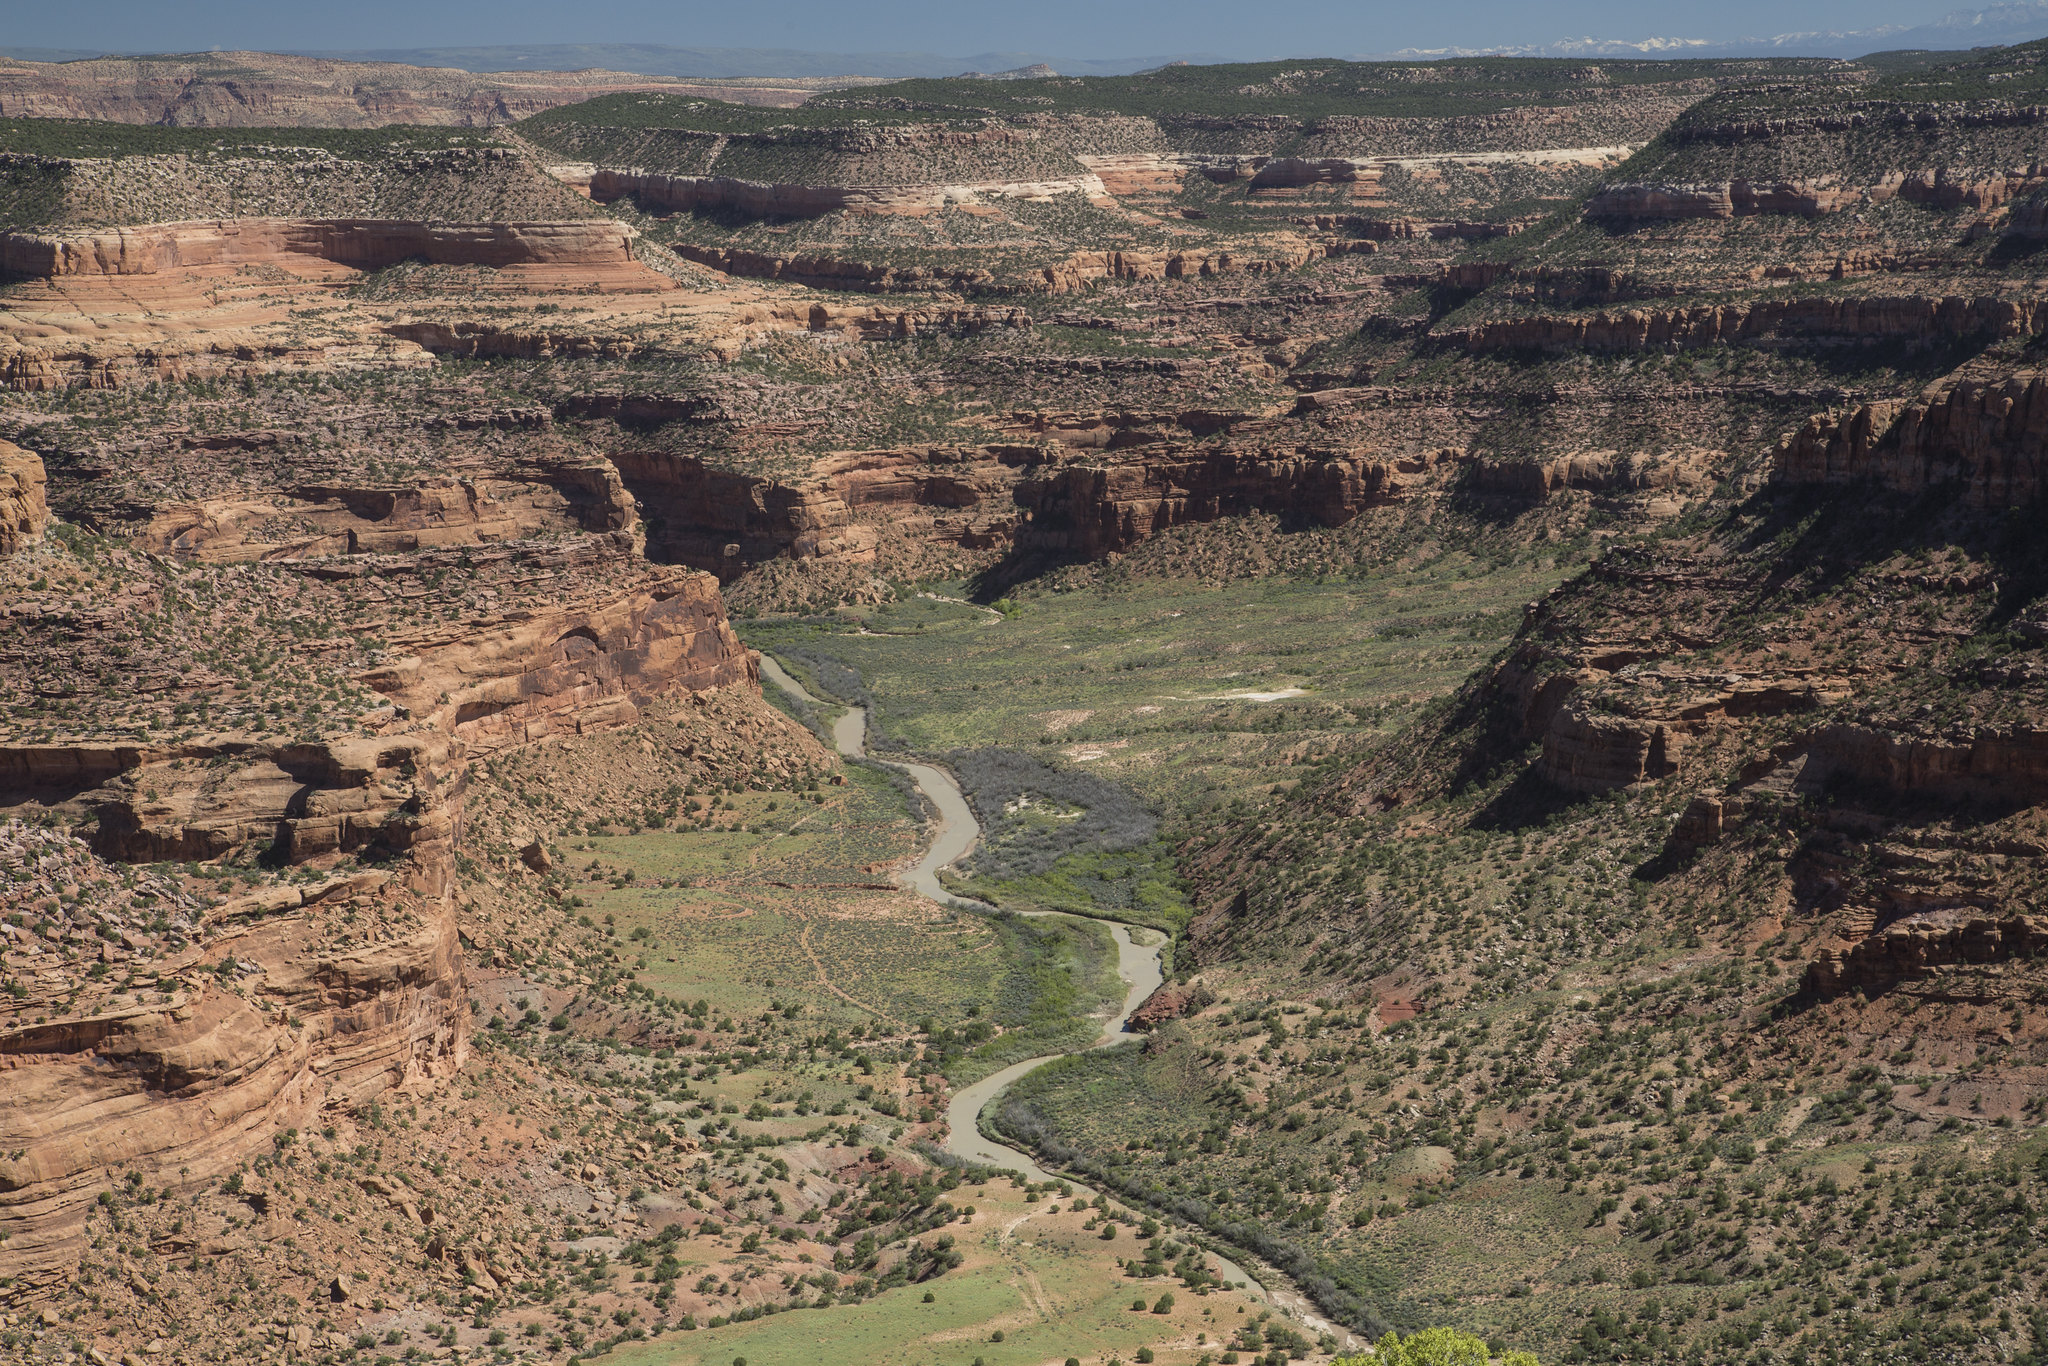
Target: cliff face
[1985, 437]
[1910, 318]
[726, 522]
[821, 271]
[1104, 506]
[1725, 200]
[1920, 946]
[302, 994]
[1996, 765]
[1264, 256]
[208, 799]
[586, 664]
[775, 199]
[24, 510]
[363, 244]
[531, 499]
[1940, 187]
[1083, 486]
[253, 1029]
[1593, 472]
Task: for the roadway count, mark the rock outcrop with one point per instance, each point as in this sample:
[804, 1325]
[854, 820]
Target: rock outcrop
[1587, 751]
[726, 522]
[576, 666]
[1908, 318]
[1269, 255]
[254, 1029]
[206, 799]
[1994, 765]
[1169, 1003]
[24, 511]
[1592, 472]
[361, 243]
[1940, 187]
[1986, 438]
[820, 271]
[1088, 510]
[1079, 485]
[1262, 256]
[308, 993]
[1919, 945]
[1728, 199]
[313, 521]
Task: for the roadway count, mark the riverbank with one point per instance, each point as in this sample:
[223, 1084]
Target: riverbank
[953, 833]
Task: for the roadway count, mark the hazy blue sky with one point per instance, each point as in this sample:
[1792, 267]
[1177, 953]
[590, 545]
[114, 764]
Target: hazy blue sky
[1077, 28]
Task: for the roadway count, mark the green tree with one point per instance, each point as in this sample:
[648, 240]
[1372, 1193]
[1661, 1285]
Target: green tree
[1434, 1347]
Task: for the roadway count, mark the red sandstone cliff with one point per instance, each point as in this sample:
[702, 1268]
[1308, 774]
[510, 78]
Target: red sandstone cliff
[267, 1009]
[1903, 317]
[1985, 437]
[23, 509]
[365, 244]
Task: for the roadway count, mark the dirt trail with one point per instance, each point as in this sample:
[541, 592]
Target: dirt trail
[803, 940]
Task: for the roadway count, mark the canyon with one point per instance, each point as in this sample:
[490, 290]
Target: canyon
[1520, 574]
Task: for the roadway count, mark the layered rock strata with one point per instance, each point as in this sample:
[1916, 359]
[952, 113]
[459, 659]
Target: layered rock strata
[1082, 486]
[1939, 187]
[253, 1029]
[1918, 946]
[262, 1014]
[313, 521]
[1088, 510]
[364, 244]
[585, 662]
[1265, 256]
[772, 199]
[1535, 479]
[24, 509]
[1910, 318]
[1988, 438]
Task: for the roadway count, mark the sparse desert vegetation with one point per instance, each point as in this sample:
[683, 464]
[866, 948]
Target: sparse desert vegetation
[1518, 581]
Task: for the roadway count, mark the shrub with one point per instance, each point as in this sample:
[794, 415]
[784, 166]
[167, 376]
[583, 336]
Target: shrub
[1017, 845]
[1434, 1347]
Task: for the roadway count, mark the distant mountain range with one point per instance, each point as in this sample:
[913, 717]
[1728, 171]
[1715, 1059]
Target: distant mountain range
[699, 63]
[2019, 22]
[653, 59]
[2014, 22]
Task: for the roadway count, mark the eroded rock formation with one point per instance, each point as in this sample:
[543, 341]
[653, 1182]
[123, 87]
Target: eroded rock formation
[1100, 506]
[1914, 947]
[303, 995]
[254, 1028]
[364, 244]
[24, 511]
[1985, 437]
[1938, 187]
[1910, 318]
[313, 521]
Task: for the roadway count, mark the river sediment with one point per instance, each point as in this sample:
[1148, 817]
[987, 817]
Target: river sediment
[954, 831]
